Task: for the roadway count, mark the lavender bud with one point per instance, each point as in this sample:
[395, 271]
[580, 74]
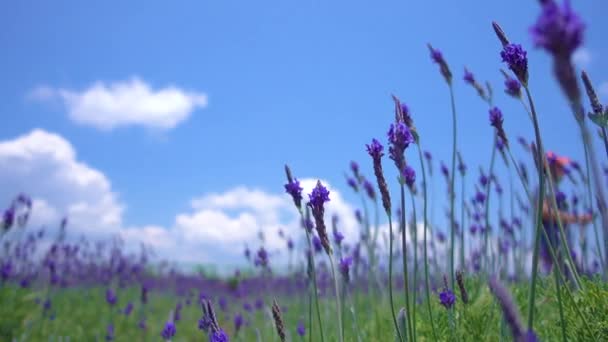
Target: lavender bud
[278, 320]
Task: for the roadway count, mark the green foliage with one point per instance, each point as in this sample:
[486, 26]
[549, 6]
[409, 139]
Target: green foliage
[83, 315]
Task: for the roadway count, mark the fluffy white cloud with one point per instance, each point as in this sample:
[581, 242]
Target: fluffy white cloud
[582, 57]
[213, 230]
[126, 103]
[44, 165]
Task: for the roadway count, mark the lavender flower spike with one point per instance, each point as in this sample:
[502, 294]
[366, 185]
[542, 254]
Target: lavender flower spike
[375, 151]
[509, 309]
[514, 55]
[437, 57]
[317, 199]
[293, 188]
[512, 86]
[278, 320]
[496, 120]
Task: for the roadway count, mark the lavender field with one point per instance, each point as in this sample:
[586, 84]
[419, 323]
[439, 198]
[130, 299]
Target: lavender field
[436, 247]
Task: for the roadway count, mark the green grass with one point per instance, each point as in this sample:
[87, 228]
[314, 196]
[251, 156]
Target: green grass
[82, 315]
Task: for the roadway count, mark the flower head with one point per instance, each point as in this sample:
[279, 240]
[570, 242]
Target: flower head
[338, 237]
[558, 29]
[317, 199]
[409, 175]
[516, 58]
[509, 309]
[399, 137]
[295, 190]
[496, 120]
[447, 298]
[375, 151]
[168, 331]
[369, 189]
[468, 77]
[437, 57]
[261, 258]
[301, 329]
[110, 297]
[344, 266]
[219, 336]
[512, 86]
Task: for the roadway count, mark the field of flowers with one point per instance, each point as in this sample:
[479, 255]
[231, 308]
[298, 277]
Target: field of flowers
[530, 267]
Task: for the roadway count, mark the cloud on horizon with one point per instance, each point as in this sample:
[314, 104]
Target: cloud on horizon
[132, 102]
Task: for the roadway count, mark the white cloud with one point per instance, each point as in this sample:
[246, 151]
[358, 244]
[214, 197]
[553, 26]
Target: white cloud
[582, 57]
[44, 165]
[126, 103]
[213, 230]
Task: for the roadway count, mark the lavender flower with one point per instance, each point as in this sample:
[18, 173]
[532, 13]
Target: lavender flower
[509, 309]
[558, 30]
[409, 175]
[369, 189]
[352, 183]
[128, 309]
[316, 243]
[516, 58]
[447, 298]
[261, 257]
[110, 297]
[219, 336]
[399, 137]
[344, 267]
[375, 151]
[338, 237]
[317, 199]
[463, 290]
[470, 79]
[168, 331]
[462, 168]
[354, 168]
[301, 329]
[437, 57]
[278, 320]
[110, 332]
[293, 188]
[238, 322]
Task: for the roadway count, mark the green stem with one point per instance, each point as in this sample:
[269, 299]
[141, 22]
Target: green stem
[314, 281]
[338, 305]
[462, 224]
[427, 286]
[405, 271]
[415, 285]
[452, 179]
[487, 205]
[539, 213]
[390, 274]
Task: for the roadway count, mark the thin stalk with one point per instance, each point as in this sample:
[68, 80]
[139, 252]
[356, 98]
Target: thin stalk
[314, 280]
[589, 192]
[452, 179]
[390, 274]
[415, 285]
[405, 272]
[539, 216]
[605, 139]
[487, 205]
[577, 280]
[338, 305]
[561, 308]
[462, 225]
[427, 286]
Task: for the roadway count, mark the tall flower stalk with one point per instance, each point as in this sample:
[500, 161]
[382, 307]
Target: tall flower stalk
[375, 150]
[294, 189]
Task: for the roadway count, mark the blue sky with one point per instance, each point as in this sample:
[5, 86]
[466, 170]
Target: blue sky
[304, 83]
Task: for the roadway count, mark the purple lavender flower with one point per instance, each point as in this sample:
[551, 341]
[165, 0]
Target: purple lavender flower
[399, 137]
[444, 170]
[496, 120]
[8, 218]
[317, 199]
[369, 189]
[204, 323]
[509, 309]
[290, 244]
[480, 197]
[316, 243]
[437, 57]
[338, 237]
[352, 183]
[358, 216]
[512, 86]
[295, 190]
[344, 266]
[110, 297]
[238, 322]
[462, 167]
[468, 77]
[110, 332]
[6, 270]
[168, 331]
[410, 176]
[261, 257]
[354, 168]
[301, 329]
[219, 336]
[128, 309]
[447, 298]
[558, 30]
[375, 151]
[516, 58]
